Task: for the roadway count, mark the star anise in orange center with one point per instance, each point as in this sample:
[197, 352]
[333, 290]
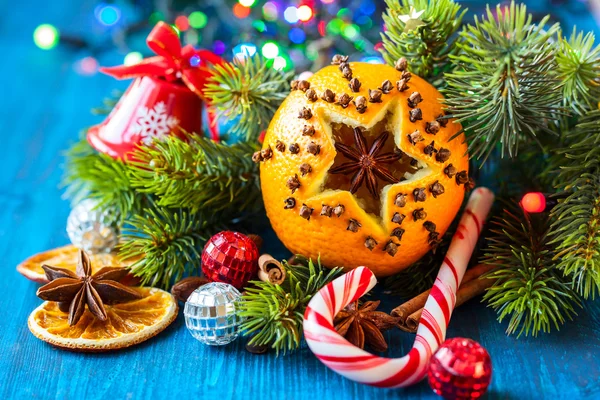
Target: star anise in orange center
[363, 325]
[367, 164]
[73, 291]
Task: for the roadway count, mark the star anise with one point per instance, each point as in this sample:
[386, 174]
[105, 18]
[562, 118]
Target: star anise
[73, 291]
[366, 164]
[363, 325]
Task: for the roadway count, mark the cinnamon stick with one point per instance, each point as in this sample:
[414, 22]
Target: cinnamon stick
[270, 270]
[412, 305]
[466, 292]
[412, 322]
[417, 303]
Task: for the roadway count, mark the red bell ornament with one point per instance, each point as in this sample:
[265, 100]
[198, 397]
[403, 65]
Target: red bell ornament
[165, 98]
[150, 109]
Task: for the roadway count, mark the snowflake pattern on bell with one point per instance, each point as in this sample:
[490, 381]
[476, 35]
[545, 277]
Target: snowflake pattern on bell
[154, 123]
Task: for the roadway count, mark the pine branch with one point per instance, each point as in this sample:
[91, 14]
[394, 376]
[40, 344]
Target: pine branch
[579, 69]
[504, 89]
[250, 89]
[197, 174]
[90, 174]
[427, 41]
[169, 211]
[528, 290]
[274, 313]
[273, 316]
[166, 243]
[311, 277]
[575, 230]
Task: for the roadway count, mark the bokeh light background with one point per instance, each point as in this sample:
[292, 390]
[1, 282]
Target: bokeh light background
[294, 34]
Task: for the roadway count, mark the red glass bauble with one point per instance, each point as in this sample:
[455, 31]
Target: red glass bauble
[230, 257]
[460, 369]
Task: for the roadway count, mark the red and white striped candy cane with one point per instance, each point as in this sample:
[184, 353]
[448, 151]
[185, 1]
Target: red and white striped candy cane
[360, 366]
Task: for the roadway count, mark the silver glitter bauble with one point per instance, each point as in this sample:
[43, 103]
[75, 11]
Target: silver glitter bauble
[92, 229]
[211, 315]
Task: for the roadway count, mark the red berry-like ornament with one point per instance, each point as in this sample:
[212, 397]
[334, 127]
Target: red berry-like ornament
[460, 369]
[230, 257]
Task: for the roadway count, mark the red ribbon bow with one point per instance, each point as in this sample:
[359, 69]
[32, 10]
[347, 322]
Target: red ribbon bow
[172, 62]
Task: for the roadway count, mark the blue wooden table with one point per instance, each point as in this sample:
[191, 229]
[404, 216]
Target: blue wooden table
[43, 106]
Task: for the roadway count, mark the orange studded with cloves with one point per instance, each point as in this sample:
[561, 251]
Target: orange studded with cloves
[371, 177]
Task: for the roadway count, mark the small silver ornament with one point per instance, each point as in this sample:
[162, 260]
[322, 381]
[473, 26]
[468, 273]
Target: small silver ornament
[211, 315]
[93, 229]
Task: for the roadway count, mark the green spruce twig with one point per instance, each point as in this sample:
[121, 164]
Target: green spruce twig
[575, 230]
[579, 69]
[197, 173]
[166, 243]
[249, 89]
[528, 289]
[170, 200]
[504, 88]
[425, 39]
[89, 174]
[274, 313]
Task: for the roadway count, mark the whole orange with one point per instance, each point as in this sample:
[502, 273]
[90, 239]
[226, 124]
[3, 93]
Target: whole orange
[374, 181]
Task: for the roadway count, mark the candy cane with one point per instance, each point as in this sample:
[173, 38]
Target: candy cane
[360, 366]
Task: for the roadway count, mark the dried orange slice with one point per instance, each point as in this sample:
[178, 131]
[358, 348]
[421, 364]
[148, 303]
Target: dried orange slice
[66, 257]
[127, 323]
